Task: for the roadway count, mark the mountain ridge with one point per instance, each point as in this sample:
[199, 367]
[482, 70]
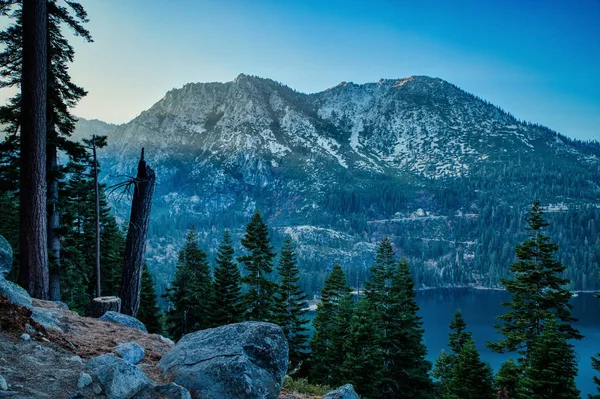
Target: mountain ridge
[329, 167]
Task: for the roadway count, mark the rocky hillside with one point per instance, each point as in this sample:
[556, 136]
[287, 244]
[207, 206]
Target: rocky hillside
[445, 174]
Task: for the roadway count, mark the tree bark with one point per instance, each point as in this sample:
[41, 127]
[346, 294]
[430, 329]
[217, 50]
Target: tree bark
[97, 194]
[135, 245]
[104, 304]
[33, 274]
[53, 219]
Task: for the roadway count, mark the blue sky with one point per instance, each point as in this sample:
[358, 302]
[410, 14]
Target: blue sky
[538, 59]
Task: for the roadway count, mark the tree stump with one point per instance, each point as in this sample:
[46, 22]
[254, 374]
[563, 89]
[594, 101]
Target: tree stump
[103, 304]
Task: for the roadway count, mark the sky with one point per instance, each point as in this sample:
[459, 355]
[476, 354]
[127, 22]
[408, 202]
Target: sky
[537, 59]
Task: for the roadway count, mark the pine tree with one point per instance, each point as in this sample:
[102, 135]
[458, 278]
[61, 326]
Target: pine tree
[471, 378]
[552, 367]
[149, 313]
[508, 380]
[227, 307]
[596, 366]
[290, 301]
[190, 295]
[408, 370]
[446, 362]
[363, 366]
[538, 292]
[258, 264]
[329, 328]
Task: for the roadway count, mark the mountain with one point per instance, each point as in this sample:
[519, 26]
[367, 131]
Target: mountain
[446, 175]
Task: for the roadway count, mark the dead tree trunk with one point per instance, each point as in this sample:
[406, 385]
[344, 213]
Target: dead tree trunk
[104, 304]
[97, 193]
[135, 245]
[33, 274]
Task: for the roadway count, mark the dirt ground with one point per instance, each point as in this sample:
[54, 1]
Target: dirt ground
[49, 363]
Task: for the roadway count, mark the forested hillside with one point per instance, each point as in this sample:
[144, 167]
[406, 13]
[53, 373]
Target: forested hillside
[445, 175]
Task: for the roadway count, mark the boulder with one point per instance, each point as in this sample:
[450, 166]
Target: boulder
[6, 257]
[165, 391]
[124, 320]
[47, 317]
[15, 293]
[237, 361]
[343, 392]
[131, 352]
[118, 378]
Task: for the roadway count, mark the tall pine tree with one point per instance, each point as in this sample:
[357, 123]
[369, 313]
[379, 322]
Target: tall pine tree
[551, 368]
[330, 329]
[258, 264]
[538, 292]
[228, 307]
[471, 378]
[290, 301]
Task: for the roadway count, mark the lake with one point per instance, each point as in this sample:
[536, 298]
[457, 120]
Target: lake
[480, 308]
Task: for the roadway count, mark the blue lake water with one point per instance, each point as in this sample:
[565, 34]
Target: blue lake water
[480, 309]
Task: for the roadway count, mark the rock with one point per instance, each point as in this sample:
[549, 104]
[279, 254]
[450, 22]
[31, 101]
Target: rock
[62, 305]
[343, 392]
[47, 317]
[25, 337]
[29, 329]
[6, 257]
[237, 361]
[166, 340]
[84, 380]
[131, 352]
[3, 384]
[165, 391]
[119, 379]
[124, 320]
[15, 293]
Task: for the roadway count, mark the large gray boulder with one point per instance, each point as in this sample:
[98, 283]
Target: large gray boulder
[118, 378]
[15, 293]
[343, 392]
[237, 361]
[125, 320]
[6, 257]
[131, 352]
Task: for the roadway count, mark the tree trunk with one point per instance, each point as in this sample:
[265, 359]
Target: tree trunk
[135, 245]
[53, 218]
[97, 194]
[33, 274]
[104, 304]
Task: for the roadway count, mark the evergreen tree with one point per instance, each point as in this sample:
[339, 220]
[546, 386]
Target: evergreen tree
[552, 367]
[471, 378]
[289, 304]
[538, 292]
[190, 295]
[258, 264]
[596, 366]
[227, 307]
[363, 366]
[446, 362]
[149, 313]
[407, 374]
[329, 328]
[508, 380]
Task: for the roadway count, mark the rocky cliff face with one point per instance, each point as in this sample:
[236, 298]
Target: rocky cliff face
[439, 170]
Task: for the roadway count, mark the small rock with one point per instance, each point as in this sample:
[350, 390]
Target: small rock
[29, 329]
[6, 257]
[130, 351]
[75, 359]
[343, 392]
[165, 391]
[166, 340]
[119, 379]
[124, 320]
[25, 337]
[97, 389]
[62, 305]
[84, 380]
[3, 384]
[15, 293]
